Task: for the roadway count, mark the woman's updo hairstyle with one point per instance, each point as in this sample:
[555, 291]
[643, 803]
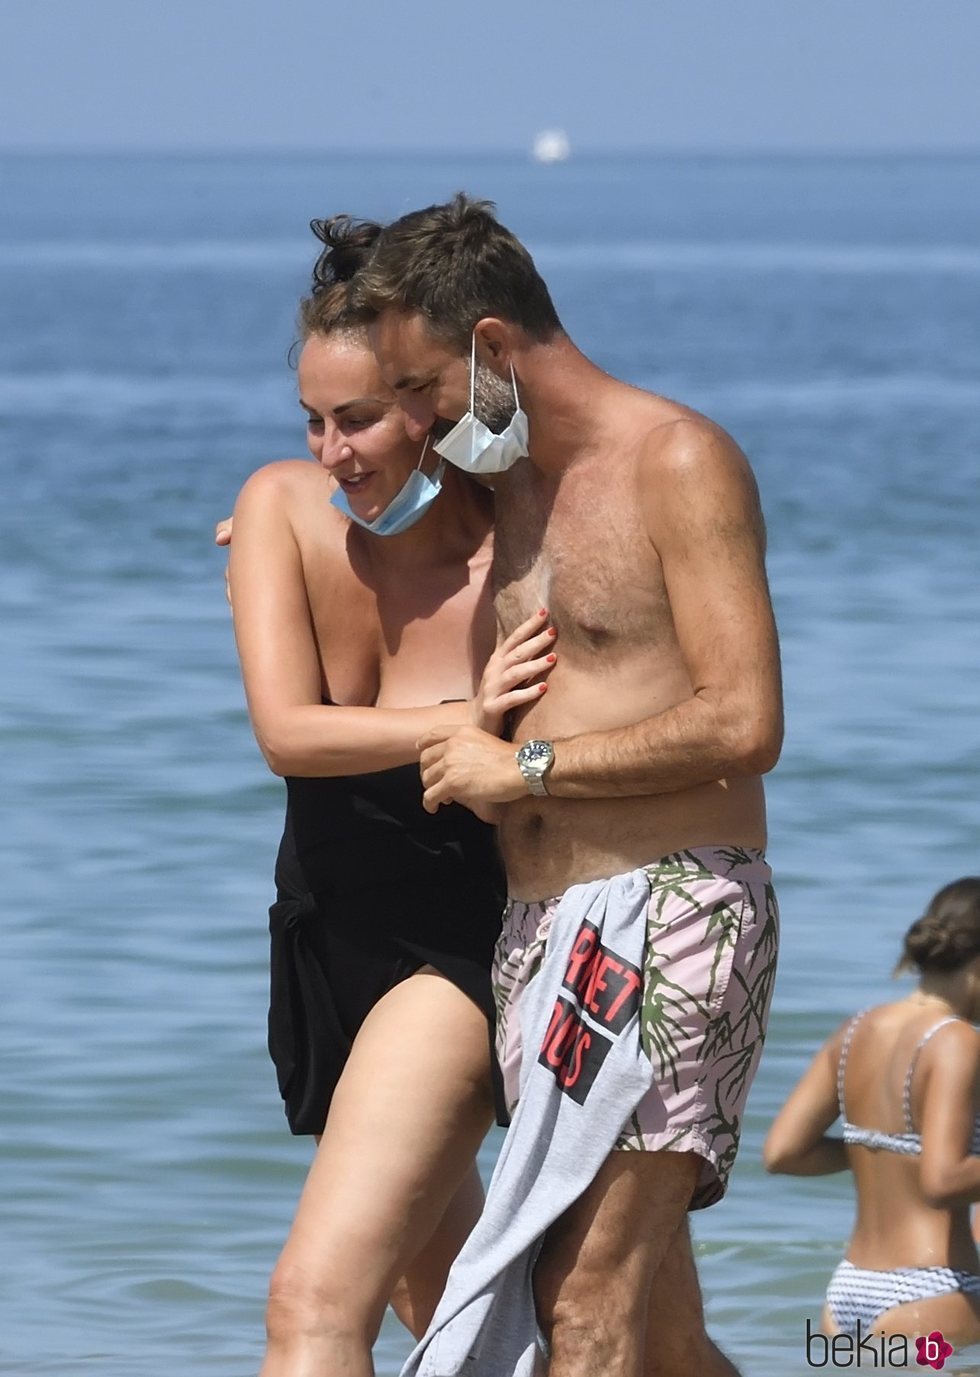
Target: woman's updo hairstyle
[947, 935]
[347, 243]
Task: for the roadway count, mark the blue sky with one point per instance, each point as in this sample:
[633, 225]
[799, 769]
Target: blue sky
[712, 75]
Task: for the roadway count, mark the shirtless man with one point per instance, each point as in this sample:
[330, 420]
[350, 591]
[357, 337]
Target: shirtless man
[637, 524]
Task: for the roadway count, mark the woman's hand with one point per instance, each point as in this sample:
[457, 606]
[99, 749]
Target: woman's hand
[512, 674]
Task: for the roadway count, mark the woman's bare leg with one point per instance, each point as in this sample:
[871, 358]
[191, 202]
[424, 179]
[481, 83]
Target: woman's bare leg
[405, 1122]
[418, 1291]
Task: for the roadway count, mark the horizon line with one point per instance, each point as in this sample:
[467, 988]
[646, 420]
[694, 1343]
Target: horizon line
[510, 151]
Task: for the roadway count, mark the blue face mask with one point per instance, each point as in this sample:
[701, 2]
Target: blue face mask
[409, 504]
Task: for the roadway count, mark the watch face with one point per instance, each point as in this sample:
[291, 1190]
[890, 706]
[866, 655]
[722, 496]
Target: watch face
[534, 751]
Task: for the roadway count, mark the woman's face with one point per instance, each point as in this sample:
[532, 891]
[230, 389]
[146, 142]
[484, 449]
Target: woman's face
[354, 425]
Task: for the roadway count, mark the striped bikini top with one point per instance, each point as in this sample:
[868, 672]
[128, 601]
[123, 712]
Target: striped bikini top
[909, 1143]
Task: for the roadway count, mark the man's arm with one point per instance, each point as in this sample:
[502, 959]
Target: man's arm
[701, 512]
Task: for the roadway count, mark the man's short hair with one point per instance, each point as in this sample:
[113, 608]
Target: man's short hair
[455, 263]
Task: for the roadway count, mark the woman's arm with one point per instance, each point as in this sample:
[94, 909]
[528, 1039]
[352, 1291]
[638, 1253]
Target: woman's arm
[797, 1143]
[297, 733]
[949, 1174]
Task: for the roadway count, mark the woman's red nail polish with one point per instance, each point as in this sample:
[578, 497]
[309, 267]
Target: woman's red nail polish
[551, 659]
[552, 631]
[542, 688]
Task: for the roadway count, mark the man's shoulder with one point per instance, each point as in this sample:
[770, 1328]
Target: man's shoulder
[675, 440]
[669, 430]
[687, 463]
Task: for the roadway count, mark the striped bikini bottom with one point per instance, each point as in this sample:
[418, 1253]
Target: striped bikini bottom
[859, 1294]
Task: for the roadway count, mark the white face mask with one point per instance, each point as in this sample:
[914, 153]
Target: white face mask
[473, 446]
[409, 504]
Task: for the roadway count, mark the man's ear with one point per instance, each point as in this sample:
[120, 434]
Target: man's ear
[494, 343]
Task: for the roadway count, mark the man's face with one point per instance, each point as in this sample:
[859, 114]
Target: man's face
[432, 381]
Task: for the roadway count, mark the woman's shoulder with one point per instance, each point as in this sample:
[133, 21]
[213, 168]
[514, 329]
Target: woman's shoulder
[298, 492]
[949, 1059]
[863, 1027]
[899, 1013]
[838, 1042]
[862, 1018]
[928, 1036]
[952, 1037]
[282, 479]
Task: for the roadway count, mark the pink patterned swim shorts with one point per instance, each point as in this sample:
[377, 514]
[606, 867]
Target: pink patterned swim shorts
[708, 973]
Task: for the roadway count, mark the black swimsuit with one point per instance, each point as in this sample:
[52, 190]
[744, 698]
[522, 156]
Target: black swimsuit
[370, 887]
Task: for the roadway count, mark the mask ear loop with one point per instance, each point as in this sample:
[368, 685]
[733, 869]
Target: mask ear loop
[513, 383]
[473, 372]
[438, 470]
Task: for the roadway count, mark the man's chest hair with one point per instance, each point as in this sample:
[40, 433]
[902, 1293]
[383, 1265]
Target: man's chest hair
[593, 567]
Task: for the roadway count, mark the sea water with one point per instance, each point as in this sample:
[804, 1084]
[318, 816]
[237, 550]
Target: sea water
[827, 312]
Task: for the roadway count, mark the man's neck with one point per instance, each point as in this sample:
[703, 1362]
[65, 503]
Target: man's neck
[561, 392]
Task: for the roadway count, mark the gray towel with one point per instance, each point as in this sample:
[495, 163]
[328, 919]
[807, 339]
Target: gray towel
[576, 1094]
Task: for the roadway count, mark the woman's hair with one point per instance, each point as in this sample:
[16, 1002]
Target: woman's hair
[347, 243]
[947, 935]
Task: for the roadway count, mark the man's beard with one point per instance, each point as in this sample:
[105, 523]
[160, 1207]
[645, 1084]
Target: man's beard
[493, 399]
[493, 404]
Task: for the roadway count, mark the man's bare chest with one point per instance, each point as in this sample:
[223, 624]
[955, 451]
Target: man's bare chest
[584, 554]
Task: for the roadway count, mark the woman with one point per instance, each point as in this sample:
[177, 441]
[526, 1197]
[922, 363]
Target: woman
[905, 1080]
[363, 617]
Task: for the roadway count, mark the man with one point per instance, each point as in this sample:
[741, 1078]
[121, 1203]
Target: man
[636, 523]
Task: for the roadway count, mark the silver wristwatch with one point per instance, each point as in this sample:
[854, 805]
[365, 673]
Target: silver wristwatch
[535, 759]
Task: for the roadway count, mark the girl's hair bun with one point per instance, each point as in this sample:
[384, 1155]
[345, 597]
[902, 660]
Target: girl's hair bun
[947, 935]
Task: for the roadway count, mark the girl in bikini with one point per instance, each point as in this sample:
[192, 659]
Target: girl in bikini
[905, 1080]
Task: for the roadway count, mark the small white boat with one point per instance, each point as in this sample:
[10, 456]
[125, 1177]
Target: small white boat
[551, 146]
